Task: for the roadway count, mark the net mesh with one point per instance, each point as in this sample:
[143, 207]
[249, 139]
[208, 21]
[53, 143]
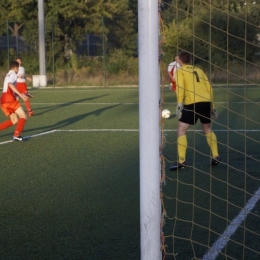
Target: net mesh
[213, 212]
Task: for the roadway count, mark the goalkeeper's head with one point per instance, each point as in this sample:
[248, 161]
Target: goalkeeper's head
[184, 58]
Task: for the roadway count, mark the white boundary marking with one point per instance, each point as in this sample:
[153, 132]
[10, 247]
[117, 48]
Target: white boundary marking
[43, 133]
[31, 136]
[136, 88]
[217, 130]
[81, 103]
[102, 89]
[123, 130]
[132, 103]
[231, 229]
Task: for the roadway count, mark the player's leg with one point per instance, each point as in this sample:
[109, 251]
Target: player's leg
[7, 124]
[188, 118]
[14, 118]
[22, 88]
[27, 102]
[28, 107]
[20, 124]
[212, 142]
[204, 111]
[182, 145]
[182, 141]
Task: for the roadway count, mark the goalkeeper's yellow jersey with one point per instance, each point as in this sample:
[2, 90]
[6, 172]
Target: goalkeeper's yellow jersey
[192, 86]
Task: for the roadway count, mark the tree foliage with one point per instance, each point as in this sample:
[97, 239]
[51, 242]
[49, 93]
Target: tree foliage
[68, 22]
[221, 30]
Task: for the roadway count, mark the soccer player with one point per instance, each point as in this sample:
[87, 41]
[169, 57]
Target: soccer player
[195, 101]
[10, 106]
[172, 68]
[22, 86]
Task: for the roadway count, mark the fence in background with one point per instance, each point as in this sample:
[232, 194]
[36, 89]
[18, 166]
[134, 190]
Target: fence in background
[73, 57]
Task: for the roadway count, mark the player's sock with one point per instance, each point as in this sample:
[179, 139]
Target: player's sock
[20, 126]
[27, 104]
[6, 124]
[212, 142]
[182, 148]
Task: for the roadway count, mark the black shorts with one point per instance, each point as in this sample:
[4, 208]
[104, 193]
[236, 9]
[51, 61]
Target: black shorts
[191, 113]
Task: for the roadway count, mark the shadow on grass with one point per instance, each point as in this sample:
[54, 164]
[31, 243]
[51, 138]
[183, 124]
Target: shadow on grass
[71, 120]
[62, 105]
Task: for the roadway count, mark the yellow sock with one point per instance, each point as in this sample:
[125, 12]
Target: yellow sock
[212, 142]
[182, 148]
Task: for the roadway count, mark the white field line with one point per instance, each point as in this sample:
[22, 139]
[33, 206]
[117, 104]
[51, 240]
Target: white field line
[231, 229]
[100, 130]
[88, 89]
[27, 137]
[217, 130]
[75, 103]
[137, 130]
[120, 130]
[134, 88]
[43, 133]
[131, 103]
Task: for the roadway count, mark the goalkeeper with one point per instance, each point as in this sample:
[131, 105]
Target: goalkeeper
[195, 101]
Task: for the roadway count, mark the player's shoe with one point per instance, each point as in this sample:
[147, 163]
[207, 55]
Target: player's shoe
[17, 138]
[215, 161]
[178, 165]
[30, 113]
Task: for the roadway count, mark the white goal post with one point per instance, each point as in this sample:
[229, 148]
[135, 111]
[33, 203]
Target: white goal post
[149, 126]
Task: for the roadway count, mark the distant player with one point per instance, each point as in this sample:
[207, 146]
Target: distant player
[10, 106]
[22, 86]
[195, 101]
[172, 68]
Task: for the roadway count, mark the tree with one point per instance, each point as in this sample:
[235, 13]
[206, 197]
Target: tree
[17, 12]
[120, 26]
[69, 22]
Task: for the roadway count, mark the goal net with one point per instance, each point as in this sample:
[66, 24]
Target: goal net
[213, 212]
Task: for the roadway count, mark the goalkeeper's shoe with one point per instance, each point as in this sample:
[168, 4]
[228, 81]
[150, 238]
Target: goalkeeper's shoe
[215, 161]
[178, 165]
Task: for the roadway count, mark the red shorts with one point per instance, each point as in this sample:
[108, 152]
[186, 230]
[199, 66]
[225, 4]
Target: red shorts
[21, 87]
[10, 108]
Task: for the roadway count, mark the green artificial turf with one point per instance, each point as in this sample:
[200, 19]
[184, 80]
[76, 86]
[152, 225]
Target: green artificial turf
[71, 191]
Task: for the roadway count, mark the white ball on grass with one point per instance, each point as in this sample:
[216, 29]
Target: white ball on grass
[166, 113]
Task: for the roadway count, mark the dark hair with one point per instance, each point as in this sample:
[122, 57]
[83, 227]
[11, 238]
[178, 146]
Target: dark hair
[185, 57]
[14, 64]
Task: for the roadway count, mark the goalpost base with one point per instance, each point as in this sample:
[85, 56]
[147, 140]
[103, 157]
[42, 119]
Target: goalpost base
[39, 81]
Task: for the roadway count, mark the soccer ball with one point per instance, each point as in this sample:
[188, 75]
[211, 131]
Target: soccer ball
[166, 113]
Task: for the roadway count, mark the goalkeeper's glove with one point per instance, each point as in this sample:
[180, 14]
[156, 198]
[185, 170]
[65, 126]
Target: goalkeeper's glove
[179, 110]
[215, 113]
